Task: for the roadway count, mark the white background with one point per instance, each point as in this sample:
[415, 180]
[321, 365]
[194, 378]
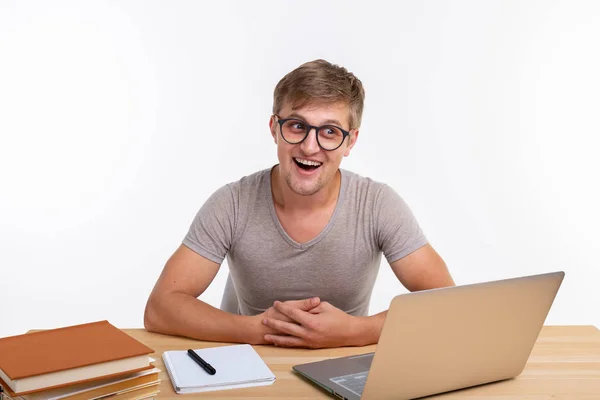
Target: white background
[118, 119]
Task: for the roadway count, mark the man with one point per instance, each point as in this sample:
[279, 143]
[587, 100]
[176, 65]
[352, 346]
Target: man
[303, 239]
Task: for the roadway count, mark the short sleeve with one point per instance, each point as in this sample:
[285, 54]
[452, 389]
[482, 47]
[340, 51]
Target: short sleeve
[211, 232]
[397, 230]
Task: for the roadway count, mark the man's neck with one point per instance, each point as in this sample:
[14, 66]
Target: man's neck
[287, 200]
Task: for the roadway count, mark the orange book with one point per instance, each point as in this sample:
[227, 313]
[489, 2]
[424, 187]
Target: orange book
[138, 394]
[98, 388]
[57, 357]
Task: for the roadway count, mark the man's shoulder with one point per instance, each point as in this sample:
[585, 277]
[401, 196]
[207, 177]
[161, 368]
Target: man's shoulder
[252, 181]
[248, 186]
[362, 184]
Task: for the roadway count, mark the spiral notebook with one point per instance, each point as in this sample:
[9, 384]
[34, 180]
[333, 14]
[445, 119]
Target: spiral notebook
[237, 366]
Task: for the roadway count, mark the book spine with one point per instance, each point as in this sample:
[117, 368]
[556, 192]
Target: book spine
[4, 396]
[170, 371]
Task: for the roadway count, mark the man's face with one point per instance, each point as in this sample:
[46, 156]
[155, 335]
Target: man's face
[300, 178]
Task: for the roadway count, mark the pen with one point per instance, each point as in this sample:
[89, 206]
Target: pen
[205, 366]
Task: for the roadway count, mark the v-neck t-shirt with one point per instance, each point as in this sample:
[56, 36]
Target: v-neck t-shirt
[339, 265]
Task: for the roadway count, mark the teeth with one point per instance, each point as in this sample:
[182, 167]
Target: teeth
[308, 162]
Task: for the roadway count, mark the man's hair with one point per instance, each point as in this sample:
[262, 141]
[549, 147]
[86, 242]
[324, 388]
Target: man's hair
[320, 81]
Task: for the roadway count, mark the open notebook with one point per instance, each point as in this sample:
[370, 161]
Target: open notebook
[237, 366]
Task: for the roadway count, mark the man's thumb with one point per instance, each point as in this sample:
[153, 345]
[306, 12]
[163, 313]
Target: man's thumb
[309, 304]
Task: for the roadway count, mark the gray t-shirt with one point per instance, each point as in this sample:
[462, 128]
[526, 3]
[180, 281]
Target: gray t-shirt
[339, 265]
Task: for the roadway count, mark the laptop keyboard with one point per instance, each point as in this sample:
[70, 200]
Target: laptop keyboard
[353, 382]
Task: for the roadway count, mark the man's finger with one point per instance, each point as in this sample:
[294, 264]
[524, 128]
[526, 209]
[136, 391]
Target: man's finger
[285, 327]
[286, 341]
[305, 304]
[318, 309]
[273, 313]
[296, 314]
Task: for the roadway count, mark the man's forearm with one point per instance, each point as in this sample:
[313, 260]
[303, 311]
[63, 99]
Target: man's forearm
[183, 315]
[369, 329]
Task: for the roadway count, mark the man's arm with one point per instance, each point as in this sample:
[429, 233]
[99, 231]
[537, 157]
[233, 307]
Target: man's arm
[173, 307]
[420, 270]
[327, 326]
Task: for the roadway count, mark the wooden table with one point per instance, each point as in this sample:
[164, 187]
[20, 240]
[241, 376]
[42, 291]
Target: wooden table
[564, 365]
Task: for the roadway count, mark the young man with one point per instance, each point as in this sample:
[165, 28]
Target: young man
[303, 239]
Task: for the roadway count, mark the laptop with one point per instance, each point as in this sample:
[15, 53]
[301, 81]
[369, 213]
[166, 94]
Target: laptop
[440, 340]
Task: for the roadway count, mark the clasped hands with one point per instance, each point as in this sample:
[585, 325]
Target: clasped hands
[309, 323]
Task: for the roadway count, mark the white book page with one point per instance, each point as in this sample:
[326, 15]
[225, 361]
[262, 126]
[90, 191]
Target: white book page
[236, 366]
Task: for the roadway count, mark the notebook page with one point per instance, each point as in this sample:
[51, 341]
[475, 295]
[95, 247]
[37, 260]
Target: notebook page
[237, 365]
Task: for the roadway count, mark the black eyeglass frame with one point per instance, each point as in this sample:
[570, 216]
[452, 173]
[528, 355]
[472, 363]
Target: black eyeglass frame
[308, 129]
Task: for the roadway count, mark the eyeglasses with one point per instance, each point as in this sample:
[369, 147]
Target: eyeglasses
[294, 131]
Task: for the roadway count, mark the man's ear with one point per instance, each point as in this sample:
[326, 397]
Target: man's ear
[352, 138]
[273, 128]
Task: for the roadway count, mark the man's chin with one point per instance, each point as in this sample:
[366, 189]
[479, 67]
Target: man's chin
[303, 189]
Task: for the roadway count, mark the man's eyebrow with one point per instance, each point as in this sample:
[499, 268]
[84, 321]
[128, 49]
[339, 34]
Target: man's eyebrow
[326, 122]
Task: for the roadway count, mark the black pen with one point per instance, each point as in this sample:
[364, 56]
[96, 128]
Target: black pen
[205, 366]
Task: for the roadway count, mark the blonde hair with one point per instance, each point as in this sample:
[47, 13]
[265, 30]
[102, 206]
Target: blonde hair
[321, 81]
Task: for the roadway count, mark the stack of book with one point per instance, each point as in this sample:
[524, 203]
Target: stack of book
[81, 362]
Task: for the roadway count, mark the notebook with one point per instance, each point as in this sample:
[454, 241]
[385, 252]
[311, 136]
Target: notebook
[237, 366]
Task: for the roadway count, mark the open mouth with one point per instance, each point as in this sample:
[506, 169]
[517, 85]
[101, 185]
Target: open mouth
[307, 165]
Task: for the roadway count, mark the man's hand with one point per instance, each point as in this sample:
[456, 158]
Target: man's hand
[261, 330]
[324, 326]
[307, 305]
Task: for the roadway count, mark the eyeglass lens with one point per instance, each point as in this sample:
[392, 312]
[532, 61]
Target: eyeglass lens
[328, 136]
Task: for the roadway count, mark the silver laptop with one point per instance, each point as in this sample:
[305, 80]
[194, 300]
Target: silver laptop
[440, 340]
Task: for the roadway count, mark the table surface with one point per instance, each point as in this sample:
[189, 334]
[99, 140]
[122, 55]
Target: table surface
[564, 364]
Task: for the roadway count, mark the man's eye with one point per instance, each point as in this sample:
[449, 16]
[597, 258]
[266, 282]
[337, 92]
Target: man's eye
[330, 131]
[298, 126]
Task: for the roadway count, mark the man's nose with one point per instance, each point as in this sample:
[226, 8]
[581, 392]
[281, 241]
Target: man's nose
[310, 144]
